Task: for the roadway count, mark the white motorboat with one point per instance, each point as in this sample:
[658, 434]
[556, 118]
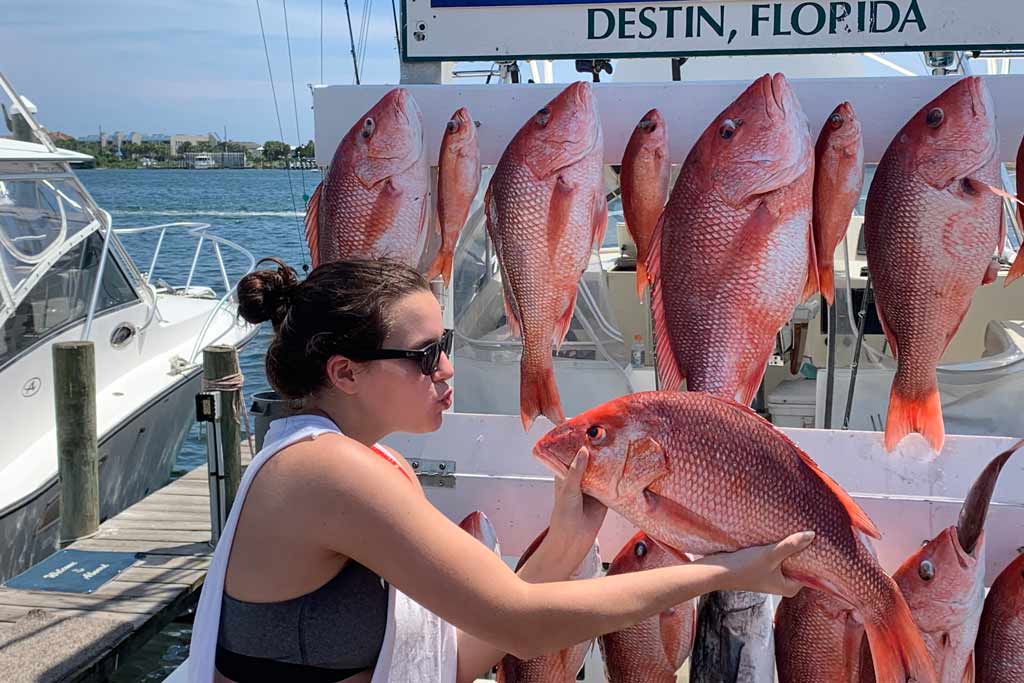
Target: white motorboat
[64, 276]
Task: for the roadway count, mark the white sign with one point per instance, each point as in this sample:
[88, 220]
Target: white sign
[468, 30]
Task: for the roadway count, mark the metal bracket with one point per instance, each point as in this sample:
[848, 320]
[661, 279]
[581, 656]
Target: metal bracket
[435, 473]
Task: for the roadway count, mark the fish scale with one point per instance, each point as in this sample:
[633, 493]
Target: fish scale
[931, 228]
[999, 650]
[729, 269]
[708, 475]
[817, 638]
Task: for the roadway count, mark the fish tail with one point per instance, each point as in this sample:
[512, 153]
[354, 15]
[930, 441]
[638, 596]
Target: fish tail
[538, 393]
[1017, 270]
[827, 282]
[897, 649]
[641, 279]
[921, 413]
[442, 265]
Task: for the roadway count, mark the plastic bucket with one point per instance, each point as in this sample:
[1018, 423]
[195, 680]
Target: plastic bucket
[266, 407]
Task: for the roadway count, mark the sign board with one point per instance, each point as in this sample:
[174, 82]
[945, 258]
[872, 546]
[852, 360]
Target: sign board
[468, 30]
[73, 571]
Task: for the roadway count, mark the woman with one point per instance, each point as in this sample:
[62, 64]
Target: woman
[323, 524]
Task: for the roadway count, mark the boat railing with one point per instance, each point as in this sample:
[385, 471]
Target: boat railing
[202, 233]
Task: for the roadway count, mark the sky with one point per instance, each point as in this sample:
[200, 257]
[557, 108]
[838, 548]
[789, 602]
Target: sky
[196, 66]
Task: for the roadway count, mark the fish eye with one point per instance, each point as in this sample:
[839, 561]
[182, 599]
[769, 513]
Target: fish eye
[647, 125]
[926, 570]
[836, 120]
[935, 117]
[544, 111]
[453, 126]
[640, 549]
[596, 435]
[727, 130]
[368, 127]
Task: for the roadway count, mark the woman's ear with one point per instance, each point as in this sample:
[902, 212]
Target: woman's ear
[341, 374]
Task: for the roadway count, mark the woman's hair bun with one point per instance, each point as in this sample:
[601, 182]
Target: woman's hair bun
[266, 294]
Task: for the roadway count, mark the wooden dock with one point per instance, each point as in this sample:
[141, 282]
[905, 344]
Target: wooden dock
[51, 636]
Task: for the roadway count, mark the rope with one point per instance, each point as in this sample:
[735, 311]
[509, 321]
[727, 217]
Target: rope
[352, 42]
[303, 247]
[233, 383]
[364, 38]
[295, 103]
[321, 42]
[394, 14]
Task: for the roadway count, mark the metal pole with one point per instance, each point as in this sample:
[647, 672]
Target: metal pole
[861, 317]
[207, 413]
[830, 365]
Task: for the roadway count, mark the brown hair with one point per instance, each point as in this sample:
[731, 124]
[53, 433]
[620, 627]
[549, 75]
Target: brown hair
[341, 308]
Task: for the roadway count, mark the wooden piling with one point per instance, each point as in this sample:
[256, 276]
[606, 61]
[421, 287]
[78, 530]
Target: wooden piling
[220, 363]
[74, 379]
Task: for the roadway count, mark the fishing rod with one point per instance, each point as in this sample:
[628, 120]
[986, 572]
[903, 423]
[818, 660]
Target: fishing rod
[861, 318]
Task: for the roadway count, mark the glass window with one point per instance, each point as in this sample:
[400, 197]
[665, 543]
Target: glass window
[63, 295]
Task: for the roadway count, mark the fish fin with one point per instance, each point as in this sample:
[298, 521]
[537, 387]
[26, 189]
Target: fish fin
[897, 650]
[538, 394]
[991, 273]
[563, 323]
[641, 279]
[511, 310]
[921, 415]
[442, 266]
[598, 221]
[969, 669]
[313, 225]
[668, 367]
[858, 518]
[811, 286]
[645, 463]
[827, 282]
[662, 510]
[752, 381]
[383, 214]
[559, 213]
[672, 643]
[1017, 270]
[890, 337]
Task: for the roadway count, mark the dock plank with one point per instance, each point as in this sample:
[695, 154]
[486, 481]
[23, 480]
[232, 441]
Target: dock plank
[169, 531]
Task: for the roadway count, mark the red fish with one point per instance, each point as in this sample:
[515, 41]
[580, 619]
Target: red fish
[657, 458]
[653, 650]
[555, 667]
[546, 213]
[477, 525]
[944, 582]
[373, 202]
[838, 179]
[999, 651]
[458, 177]
[817, 638]
[646, 167]
[931, 228]
[733, 253]
[1017, 270]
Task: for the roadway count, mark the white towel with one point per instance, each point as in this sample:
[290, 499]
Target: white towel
[419, 647]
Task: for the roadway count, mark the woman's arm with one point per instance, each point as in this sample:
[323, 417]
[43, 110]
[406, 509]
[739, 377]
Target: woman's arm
[355, 504]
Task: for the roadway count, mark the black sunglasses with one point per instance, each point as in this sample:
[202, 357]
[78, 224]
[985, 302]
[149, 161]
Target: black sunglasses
[429, 356]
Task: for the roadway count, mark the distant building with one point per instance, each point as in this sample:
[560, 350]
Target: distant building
[177, 140]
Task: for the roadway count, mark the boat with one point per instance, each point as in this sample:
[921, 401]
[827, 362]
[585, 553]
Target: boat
[203, 161]
[65, 276]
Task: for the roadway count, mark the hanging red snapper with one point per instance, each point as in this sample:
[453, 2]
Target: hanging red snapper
[944, 581]
[999, 651]
[733, 253]
[838, 180]
[709, 475]
[931, 227]
[817, 638]
[373, 202]
[546, 213]
[458, 178]
[554, 667]
[1017, 270]
[653, 650]
[477, 525]
[644, 178]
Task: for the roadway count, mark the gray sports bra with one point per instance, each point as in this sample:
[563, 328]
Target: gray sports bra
[338, 626]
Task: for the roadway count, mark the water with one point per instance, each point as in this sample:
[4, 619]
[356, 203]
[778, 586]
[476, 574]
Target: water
[252, 208]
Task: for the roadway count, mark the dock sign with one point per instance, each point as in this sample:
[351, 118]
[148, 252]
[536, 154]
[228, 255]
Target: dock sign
[73, 571]
[462, 30]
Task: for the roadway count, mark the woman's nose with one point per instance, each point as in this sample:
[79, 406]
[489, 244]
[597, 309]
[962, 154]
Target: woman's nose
[445, 369]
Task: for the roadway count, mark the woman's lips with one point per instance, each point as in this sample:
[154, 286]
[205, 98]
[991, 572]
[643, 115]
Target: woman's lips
[446, 399]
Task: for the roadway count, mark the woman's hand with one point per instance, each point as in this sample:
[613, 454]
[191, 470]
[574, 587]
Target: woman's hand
[758, 569]
[576, 517]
